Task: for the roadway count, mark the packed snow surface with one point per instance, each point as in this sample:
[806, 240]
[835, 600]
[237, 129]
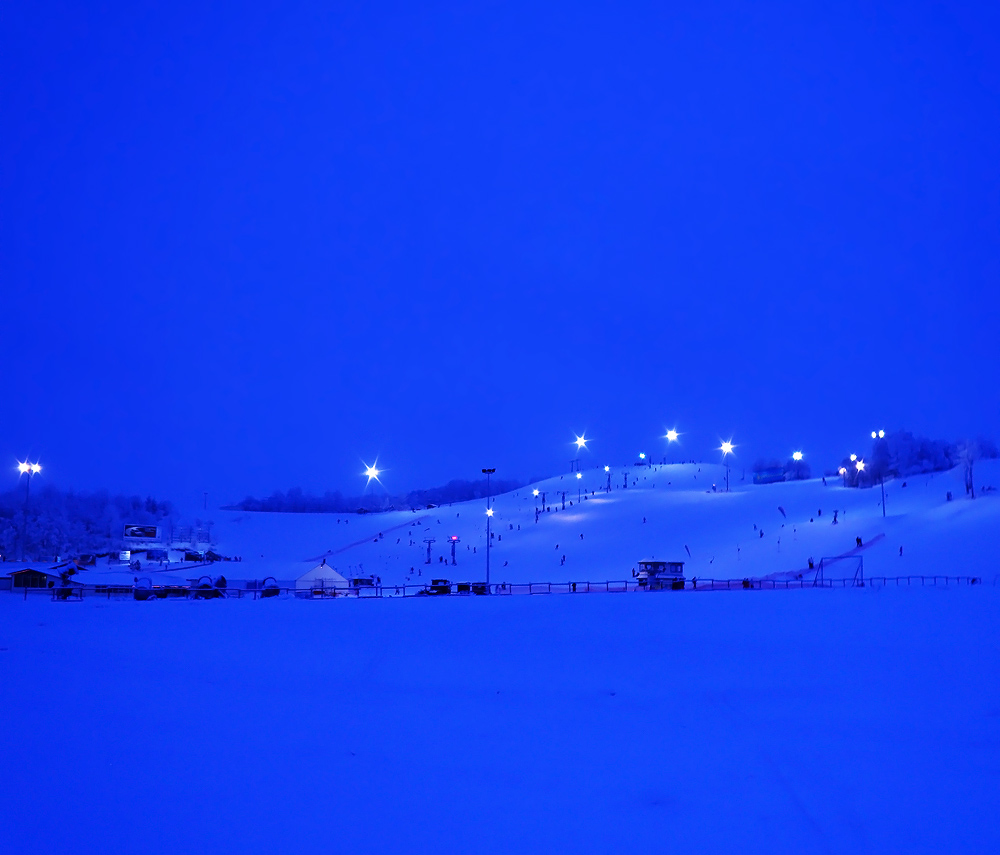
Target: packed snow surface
[816, 720]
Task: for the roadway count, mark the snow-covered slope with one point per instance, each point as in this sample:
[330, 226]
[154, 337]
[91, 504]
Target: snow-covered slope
[666, 512]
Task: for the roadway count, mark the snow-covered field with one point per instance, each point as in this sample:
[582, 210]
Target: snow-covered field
[856, 720]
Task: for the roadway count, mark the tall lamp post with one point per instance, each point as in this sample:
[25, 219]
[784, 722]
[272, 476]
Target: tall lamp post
[581, 443]
[607, 469]
[489, 517]
[880, 435]
[579, 496]
[28, 469]
[726, 448]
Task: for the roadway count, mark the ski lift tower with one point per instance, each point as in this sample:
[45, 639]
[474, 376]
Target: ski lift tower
[428, 541]
[453, 540]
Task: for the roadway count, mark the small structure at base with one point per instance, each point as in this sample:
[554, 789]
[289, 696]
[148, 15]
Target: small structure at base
[659, 575]
[323, 578]
[34, 579]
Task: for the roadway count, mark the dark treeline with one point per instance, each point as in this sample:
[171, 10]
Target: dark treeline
[297, 502]
[901, 453]
[54, 522]
[790, 470]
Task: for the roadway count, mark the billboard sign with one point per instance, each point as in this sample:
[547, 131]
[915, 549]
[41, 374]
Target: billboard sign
[142, 532]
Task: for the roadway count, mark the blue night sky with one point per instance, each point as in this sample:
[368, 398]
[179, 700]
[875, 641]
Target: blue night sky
[247, 250]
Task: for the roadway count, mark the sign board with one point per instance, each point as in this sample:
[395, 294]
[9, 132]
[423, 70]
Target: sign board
[124, 556]
[142, 532]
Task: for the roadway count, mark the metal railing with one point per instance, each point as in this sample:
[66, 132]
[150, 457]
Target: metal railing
[460, 589]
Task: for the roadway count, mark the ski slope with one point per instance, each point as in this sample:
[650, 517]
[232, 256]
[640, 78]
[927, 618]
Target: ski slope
[666, 512]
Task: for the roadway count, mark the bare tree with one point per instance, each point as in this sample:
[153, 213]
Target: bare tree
[969, 452]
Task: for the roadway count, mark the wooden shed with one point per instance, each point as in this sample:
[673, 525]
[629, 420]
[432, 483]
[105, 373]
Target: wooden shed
[31, 578]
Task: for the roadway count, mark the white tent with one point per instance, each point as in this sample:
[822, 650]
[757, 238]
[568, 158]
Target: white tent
[321, 576]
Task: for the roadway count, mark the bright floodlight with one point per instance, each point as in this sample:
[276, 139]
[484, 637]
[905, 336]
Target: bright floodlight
[727, 448]
[672, 435]
[642, 455]
[579, 475]
[489, 512]
[372, 472]
[534, 492]
[860, 466]
[607, 468]
[29, 468]
[581, 441]
[854, 457]
[842, 471]
[797, 455]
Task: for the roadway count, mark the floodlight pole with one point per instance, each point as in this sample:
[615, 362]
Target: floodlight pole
[489, 517]
[28, 469]
[879, 437]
